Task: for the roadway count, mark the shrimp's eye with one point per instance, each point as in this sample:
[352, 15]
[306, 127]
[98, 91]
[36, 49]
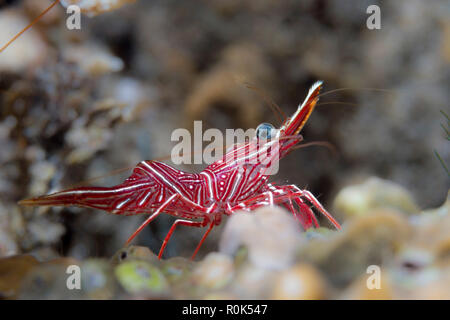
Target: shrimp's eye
[265, 131]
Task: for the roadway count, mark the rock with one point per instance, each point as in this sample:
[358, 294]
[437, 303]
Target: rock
[49, 281]
[220, 296]
[359, 289]
[366, 240]
[214, 272]
[43, 230]
[135, 253]
[95, 7]
[92, 131]
[130, 94]
[431, 233]
[12, 271]
[92, 59]
[177, 269]
[301, 282]
[422, 268]
[97, 281]
[271, 235]
[34, 8]
[374, 193]
[11, 226]
[434, 290]
[41, 173]
[319, 233]
[45, 253]
[26, 52]
[253, 282]
[141, 279]
[417, 278]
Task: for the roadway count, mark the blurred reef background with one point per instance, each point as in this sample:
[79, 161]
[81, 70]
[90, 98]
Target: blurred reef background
[78, 104]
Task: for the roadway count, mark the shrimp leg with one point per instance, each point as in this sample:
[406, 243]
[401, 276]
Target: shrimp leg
[184, 223]
[152, 217]
[281, 195]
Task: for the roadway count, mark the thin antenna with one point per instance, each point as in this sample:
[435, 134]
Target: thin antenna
[276, 108]
[29, 26]
[325, 144]
[343, 89]
[337, 102]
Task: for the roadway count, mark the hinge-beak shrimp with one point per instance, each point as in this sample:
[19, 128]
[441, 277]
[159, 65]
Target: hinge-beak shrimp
[238, 181]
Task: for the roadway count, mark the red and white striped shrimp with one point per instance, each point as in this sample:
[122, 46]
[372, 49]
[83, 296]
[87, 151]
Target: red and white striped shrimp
[238, 181]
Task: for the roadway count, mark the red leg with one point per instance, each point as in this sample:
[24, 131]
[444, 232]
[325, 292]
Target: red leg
[203, 239]
[282, 194]
[289, 206]
[172, 229]
[310, 197]
[304, 194]
[306, 215]
[152, 217]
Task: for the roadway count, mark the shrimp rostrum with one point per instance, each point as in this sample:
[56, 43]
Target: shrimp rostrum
[238, 181]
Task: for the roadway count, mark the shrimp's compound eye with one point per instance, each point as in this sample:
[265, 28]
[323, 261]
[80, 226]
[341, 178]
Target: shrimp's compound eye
[265, 131]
